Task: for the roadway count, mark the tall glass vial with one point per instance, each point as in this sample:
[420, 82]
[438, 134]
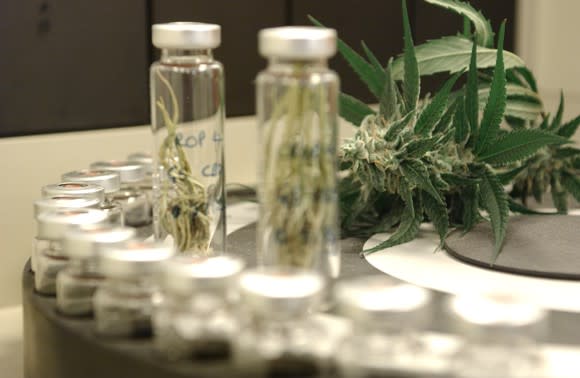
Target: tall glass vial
[52, 226]
[197, 320]
[111, 183]
[297, 109]
[500, 336]
[187, 120]
[388, 320]
[76, 284]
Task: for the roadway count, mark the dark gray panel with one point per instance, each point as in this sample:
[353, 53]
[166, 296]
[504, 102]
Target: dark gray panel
[377, 22]
[69, 65]
[240, 21]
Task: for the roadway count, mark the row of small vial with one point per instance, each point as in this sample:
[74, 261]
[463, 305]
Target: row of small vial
[263, 321]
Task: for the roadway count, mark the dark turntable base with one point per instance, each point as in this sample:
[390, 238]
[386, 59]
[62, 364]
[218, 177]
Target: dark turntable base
[540, 246]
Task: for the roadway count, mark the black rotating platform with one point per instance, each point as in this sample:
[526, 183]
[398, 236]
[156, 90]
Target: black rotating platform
[535, 245]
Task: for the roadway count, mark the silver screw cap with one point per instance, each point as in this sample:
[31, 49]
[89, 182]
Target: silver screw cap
[143, 158]
[185, 275]
[63, 202]
[77, 189]
[89, 241]
[281, 292]
[53, 225]
[297, 42]
[135, 258]
[128, 171]
[186, 35]
[383, 301]
[109, 180]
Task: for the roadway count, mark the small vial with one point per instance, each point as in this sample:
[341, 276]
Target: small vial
[500, 336]
[279, 337]
[75, 189]
[52, 226]
[124, 303]
[146, 185]
[196, 320]
[111, 183]
[76, 284]
[136, 210]
[387, 318]
[55, 203]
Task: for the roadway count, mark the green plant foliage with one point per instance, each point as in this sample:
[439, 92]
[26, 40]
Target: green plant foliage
[353, 110]
[495, 201]
[411, 85]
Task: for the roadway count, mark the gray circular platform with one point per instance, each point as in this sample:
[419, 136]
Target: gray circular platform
[540, 246]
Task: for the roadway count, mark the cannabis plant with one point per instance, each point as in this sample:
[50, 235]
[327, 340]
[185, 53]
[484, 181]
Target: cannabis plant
[445, 158]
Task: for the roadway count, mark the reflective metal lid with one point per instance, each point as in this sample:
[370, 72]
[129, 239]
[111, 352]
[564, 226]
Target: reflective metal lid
[135, 258]
[109, 180]
[381, 300]
[90, 240]
[186, 35]
[63, 202]
[281, 292]
[186, 275]
[297, 42]
[53, 225]
[143, 158]
[78, 189]
[129, 171]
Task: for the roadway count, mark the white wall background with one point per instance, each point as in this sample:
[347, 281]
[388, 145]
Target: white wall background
[547, 40]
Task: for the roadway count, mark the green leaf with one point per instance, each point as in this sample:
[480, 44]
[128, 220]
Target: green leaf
[566, 152]
[472, 95]
[518, 145]
[545, 122]
[470, 216]
[432, 113]
[419, 147]
[411, 84]
[452, 54]
[407, 230]
[522, 103]
[406, 193]
[446, 119]
[416, 173]
[466, 27]
[572, 184]
[507, 177]
[483, 31]
[494, 110]
[460, 123]
[517, 207]
[569, 128]
[513, 91]
[458, 180]
[388, 101]
[528, 77]
[396, 127]
[366, 72]
[494, 200]
[558, 118]
[372, 59]
[353, 110]
[437, 213]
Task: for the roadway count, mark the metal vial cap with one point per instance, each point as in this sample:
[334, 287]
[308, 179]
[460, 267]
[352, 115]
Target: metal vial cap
[63, 202]
[109, 180]
[297, 42]
[483, 315]
[53, 225]
[281, 292]
[128, 171]
[143, 158]
[186, 35]
[78, 189]
[382, 300]
[185, 275]
[134, 259]
[90, 240]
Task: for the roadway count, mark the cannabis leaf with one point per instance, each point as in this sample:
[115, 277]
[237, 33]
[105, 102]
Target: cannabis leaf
[411, 85]
[569, 129]
[437, 213]
[494, 200]
[435, 109]
[353, 110]
[417, 174]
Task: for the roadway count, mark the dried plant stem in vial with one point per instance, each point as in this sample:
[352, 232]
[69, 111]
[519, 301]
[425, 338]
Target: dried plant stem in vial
[183, 201]
[298, 187]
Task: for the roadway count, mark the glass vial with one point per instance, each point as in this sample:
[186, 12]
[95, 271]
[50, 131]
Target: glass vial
[146, 161]
[196, 320]
[74, 189]
[124, 303]
[134, 201]
[279, 337]
[77, 283]
[388, 319]
[187, 119]
[297, 110]
[56, 203]
[52, 227]
[500, 336]
[111, 183]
